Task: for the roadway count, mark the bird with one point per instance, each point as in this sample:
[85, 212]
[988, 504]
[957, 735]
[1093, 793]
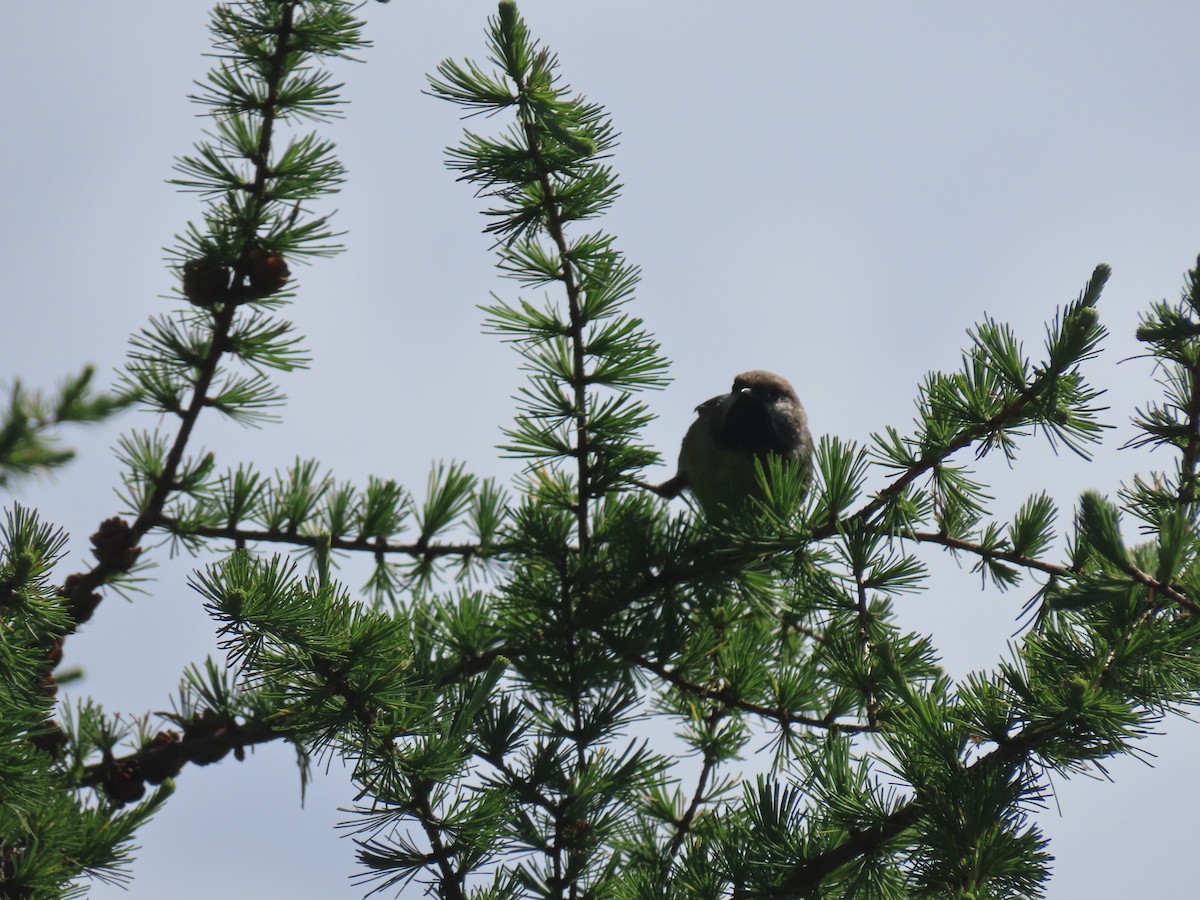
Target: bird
[760, 416]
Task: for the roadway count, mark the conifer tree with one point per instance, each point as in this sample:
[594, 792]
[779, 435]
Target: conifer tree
[490, 686]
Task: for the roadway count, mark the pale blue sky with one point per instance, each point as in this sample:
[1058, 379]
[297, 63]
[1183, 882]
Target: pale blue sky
[832, 191]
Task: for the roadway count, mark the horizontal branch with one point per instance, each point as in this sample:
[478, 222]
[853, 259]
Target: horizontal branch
[1162, 588]
[728, 699]
[161, 759]
[985, 553]
[805, 878]
[417, 549]
[1016, 750]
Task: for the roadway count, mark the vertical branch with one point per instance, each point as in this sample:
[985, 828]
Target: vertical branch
[1190, 361]
[571, 589]
[544, 171]
[554, 227]
[683, 827]
[451, 882]
[865, 645]
[223, 320]
[1191, 452]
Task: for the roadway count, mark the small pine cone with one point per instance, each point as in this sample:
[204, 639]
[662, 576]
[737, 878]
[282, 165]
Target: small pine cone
[112, 545]
[54, 653]
[266, 271]
[83, 602]
[580, 828]
[123, 781]
[207, 724]
[205, 282]
[84, 607]
[54, 656]
[162, 756]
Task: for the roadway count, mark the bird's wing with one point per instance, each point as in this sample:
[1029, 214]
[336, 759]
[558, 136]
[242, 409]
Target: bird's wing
[710, 405]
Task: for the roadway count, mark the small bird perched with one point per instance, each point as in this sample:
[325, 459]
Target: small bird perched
[760, 416]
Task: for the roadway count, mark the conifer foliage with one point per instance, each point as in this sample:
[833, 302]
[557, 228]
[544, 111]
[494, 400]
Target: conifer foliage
[502, 687]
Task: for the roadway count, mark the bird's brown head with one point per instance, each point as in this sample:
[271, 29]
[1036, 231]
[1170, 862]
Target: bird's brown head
[766, 386]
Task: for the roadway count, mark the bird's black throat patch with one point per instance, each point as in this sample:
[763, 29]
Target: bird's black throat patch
[749, 427]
